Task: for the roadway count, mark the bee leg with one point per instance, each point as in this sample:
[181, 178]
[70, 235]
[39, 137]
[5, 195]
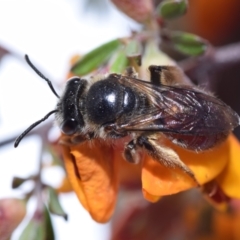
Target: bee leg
[168, 75]
[76, 139]
[164, 155]
[130, 72]
[156, 74]
[131, 153]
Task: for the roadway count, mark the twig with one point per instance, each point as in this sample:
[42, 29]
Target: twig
[227, 56]
[39, 185]
[215, 61]
[41, 131]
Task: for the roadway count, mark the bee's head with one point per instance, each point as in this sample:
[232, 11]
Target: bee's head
[68, 113]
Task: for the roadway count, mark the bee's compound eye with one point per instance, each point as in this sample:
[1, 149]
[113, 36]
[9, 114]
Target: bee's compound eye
[69, 126]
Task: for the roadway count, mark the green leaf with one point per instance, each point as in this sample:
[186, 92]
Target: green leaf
[170, 9]
[154, 56]
[135, 61]
[54, 204]
[133, 48]
[17, 181]
[134, 53]
[188, 44]
[48, 225]
[120, 62]
[39, 227]
[35, 230]
[95, 58]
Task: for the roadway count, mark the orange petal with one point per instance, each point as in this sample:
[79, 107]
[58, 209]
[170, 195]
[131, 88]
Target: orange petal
[73, 60]
[65, 186]
[159, 180]
[149, 197]
[229, 179]
[225, 226]
[93, 174]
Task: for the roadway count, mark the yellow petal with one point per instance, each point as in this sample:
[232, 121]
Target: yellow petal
[93, 174]
[229, 179]
[206, 165]
[159, 180]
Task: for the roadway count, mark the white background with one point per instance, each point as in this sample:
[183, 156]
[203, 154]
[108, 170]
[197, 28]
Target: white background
[50, 32]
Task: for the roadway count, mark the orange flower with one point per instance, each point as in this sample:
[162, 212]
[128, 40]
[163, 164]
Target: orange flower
[94, 170]
[93, 173]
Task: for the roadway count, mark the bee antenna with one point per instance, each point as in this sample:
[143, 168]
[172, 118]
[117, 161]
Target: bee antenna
[41, 75]
[18, 140]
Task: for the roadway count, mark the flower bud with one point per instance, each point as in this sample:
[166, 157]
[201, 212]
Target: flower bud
[12, 212]
[140, 10]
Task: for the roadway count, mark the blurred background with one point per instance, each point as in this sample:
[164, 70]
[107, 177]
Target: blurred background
[51, 33]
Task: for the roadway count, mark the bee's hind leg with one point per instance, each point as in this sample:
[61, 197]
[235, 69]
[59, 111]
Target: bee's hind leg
[168, 75]
[164, 155]
[156, 74]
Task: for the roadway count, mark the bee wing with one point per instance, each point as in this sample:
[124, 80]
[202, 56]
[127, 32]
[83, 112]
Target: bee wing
[179, 109]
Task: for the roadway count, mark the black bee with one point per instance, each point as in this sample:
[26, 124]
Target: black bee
[116, 106]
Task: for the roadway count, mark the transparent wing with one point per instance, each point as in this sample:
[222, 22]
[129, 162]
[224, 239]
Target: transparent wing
[179, 109]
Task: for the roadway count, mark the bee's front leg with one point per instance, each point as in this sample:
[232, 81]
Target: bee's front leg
[131, 152]
[76, 139]
[164, 155]
[130, 72]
